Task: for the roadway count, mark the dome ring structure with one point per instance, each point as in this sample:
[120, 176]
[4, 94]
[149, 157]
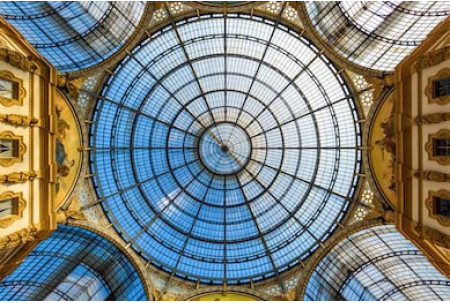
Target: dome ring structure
[225, 148]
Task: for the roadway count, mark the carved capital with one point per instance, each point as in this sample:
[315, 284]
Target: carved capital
[18, 120]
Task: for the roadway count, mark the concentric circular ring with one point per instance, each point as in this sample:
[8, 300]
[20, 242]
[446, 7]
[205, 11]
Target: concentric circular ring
[225, 149]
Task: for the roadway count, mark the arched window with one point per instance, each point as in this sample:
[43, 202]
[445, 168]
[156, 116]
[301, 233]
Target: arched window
[74, 264]
[74, 35]
[376, 264]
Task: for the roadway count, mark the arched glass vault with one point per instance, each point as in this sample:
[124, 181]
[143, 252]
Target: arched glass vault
[376, 264]
[74, 264]
[74, 35]
[225, 148]
[375, 34]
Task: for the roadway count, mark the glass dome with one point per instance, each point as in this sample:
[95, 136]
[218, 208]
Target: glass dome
[225, 149]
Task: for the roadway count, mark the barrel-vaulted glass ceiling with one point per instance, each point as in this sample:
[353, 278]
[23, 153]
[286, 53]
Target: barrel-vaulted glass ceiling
[376, 34]
[74, 35]
[224, 148]
[376, 264]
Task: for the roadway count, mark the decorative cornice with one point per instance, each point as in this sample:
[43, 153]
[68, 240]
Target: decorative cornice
[431, 59]
[18, 120]
[433, 118]
[432, 176]
[18, 177]
[16, 59]
[17, 238]
[433, 235]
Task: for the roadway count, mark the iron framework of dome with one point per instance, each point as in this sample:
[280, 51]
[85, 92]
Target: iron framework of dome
[225, 149]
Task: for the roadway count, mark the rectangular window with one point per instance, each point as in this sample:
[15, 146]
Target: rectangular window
[441, 88]
[8, 207]
[9, 148]
[442, 206]
[441, 147]
[9, 89]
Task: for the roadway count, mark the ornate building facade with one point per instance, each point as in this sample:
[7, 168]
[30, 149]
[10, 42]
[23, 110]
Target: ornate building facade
[224, 150]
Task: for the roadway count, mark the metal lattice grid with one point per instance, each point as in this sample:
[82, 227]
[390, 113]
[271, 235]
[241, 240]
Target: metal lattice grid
[375, 34]
[376, 264]
[74, 35]
[225, 148]
[73, 264]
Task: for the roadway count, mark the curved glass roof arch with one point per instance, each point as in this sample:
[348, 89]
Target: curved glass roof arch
[225, 149]
[376, 264]
[375, 34]
[74, 35]
[74, 264]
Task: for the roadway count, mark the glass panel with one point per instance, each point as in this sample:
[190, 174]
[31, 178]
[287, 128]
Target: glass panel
[9, 89]
[81, 285]
[73, 264]
[376, 264]
[442, 206]
[441, 88]
[74, 35]
[8, 207]
[441, 147]
[9, 148]
[375, 34]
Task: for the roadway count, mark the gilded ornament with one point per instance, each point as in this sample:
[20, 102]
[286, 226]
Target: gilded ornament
[433, 176]
[18, 177]
[18, 120]
[15, 59]
[64, 216]
[19, 237]
[433, 118]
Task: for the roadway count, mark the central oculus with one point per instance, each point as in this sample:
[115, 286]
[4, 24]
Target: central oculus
[225, 148]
